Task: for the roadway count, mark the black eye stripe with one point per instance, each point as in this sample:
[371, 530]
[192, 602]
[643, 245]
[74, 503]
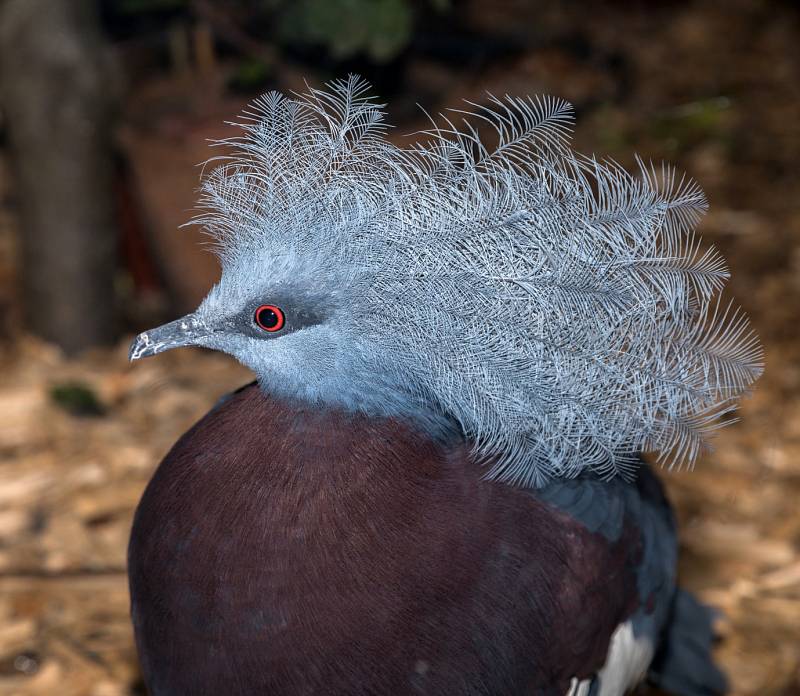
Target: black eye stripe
[269, 318]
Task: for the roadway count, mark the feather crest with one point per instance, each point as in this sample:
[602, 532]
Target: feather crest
[557, 306]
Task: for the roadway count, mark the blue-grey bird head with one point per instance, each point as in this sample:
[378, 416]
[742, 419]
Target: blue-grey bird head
[557, 308]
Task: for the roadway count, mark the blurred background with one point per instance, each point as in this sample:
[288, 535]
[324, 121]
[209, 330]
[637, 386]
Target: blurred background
[106, 107]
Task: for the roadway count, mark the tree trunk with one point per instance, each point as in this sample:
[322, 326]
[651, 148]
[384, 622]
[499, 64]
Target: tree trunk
[56, 96]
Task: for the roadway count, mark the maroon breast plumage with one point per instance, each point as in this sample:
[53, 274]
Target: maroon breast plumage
[281, 549]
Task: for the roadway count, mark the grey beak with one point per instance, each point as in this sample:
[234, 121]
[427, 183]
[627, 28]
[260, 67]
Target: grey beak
[186, 331]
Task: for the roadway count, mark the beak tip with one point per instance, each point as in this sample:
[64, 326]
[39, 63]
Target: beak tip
[141, 347]
[186, 331]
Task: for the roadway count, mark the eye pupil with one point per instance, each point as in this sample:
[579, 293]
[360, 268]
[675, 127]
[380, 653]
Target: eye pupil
[270, 318]
[267, 318]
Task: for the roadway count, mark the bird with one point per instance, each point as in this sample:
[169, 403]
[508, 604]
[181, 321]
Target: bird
[471, 350]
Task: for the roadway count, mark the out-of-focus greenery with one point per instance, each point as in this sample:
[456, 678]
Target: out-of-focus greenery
[685, 126]
[250, 74]
[378, 29]
[77, 399]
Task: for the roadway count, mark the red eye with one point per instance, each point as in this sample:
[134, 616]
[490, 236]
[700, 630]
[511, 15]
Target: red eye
[270, 318]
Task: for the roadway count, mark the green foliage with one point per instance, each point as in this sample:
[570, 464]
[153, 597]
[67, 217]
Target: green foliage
[77, 399]
[379, 28]
[686, 125]
[250, 74]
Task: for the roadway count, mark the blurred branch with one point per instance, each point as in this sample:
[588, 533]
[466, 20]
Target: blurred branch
[227, 29]
[57, 92]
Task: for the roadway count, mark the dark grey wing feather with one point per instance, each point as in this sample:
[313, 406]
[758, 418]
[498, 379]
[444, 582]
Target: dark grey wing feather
[683, 664]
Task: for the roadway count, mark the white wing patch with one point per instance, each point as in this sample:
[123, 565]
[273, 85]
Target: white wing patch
[625, 667]
[579, 688]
